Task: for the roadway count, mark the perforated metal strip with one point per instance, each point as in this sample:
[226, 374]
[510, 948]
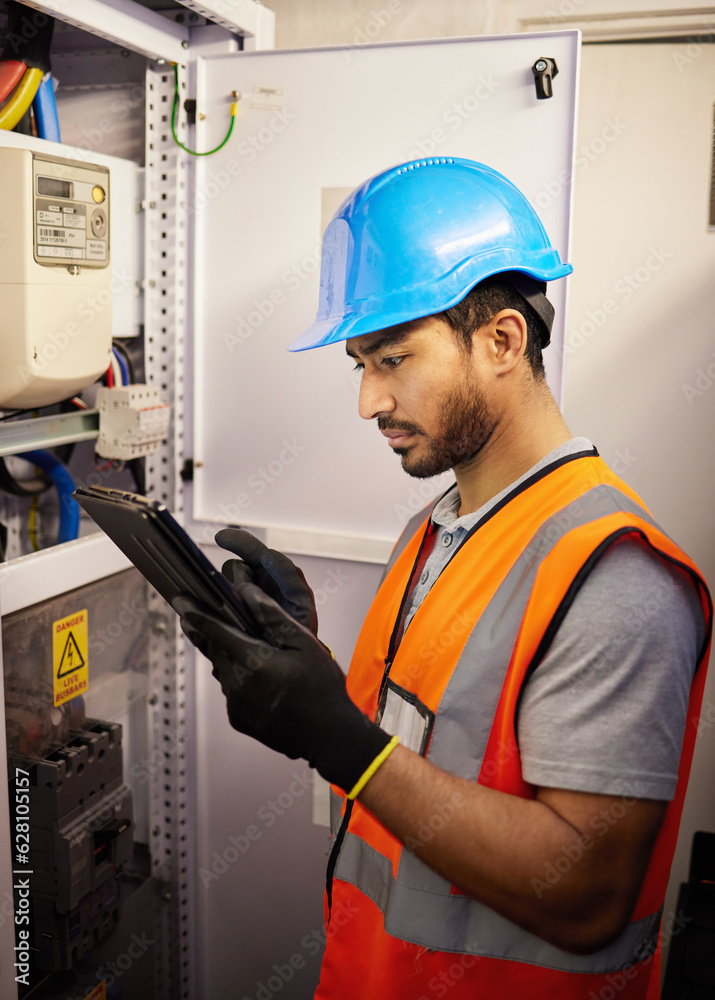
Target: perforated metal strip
[165, 327]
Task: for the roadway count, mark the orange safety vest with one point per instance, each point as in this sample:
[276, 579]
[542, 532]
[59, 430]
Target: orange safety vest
[399, 931]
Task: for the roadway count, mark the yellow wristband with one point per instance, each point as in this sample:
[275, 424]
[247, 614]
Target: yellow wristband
[368, 773]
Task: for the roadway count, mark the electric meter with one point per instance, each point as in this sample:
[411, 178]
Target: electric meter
[55, 278]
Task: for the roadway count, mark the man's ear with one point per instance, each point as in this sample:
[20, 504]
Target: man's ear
[504, 338]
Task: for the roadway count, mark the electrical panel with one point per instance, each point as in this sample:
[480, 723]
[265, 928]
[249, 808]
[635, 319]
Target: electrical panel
[55, 278]
[96, 729]
[75, 671]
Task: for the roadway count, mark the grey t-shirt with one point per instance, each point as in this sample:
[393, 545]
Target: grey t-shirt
[605, 710]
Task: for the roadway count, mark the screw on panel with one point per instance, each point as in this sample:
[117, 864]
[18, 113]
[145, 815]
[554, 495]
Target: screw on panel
[159, 623]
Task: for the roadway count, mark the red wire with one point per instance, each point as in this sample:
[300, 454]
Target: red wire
[11, 72]
[110, 378]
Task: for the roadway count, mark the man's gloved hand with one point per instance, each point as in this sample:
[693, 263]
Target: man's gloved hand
[272, 571]
[285, 690]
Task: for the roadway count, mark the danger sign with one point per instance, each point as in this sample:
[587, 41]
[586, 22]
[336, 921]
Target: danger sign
[99, 992]
[69, 656]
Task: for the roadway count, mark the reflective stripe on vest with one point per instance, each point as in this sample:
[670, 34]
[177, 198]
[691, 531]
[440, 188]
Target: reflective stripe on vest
[559, 528]
[460, 924]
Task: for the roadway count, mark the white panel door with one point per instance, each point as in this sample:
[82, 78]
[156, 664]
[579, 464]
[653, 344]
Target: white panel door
[640, 342]
[278, 442]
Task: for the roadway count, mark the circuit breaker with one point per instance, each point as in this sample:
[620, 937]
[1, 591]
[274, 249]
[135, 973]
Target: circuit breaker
[55, 277]
[82, 835]
[133, 419]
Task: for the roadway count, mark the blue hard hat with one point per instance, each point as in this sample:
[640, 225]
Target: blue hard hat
[413, 240]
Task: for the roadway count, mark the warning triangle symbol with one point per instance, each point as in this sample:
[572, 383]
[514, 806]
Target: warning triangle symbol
[72, 659]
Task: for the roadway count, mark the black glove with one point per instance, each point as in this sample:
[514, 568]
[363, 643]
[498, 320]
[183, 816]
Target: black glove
[285, 690]
[272, 571]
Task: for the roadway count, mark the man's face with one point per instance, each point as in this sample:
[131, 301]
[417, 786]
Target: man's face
[421, 385]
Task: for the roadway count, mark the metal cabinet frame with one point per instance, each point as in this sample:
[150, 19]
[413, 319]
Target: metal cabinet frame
[32, 578]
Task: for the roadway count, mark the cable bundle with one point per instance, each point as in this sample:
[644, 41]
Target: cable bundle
[25, 72]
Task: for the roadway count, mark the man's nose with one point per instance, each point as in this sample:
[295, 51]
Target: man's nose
[374, 397]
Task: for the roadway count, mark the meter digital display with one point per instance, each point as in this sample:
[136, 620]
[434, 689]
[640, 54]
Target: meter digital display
[54, 187]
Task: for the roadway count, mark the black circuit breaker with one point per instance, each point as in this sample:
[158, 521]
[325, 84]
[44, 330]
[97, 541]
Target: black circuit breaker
[81, 834]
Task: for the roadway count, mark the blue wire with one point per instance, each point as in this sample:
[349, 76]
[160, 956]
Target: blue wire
[44, 107]
[123, 365]
[64, 484]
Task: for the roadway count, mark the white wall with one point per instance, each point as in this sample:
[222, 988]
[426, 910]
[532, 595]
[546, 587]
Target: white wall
[305, 23]
[641, 243]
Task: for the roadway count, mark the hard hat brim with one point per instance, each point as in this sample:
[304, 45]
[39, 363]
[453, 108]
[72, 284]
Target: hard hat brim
[355, 324]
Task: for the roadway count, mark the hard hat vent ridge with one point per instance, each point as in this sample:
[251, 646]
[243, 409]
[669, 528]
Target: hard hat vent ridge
[432, 162]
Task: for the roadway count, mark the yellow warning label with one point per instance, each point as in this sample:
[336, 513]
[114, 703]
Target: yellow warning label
[69, 656]
[99, 992]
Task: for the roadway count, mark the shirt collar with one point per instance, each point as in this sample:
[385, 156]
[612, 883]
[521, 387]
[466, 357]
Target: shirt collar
[446, 510]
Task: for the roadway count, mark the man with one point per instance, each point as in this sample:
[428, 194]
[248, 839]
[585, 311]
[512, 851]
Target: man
[510, 758]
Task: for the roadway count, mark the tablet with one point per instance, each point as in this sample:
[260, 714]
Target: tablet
[161, 550]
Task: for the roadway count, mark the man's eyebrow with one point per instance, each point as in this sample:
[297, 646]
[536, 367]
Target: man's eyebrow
[388, 339]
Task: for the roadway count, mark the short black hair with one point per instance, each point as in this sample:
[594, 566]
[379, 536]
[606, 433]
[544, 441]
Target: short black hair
[487, 299]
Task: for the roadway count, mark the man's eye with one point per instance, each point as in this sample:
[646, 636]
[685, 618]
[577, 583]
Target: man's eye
[358, 366]
[393, 361]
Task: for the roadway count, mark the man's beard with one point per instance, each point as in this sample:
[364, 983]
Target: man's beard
[467, 425]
